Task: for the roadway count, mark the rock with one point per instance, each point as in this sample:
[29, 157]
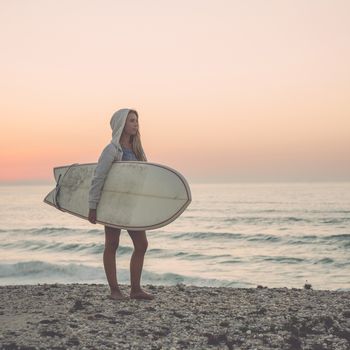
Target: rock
[216, 339]
[78, 305]
[74, 341]
[180, 287]
[342, 333]
[49, 321]
[328, 322]
[125, 312]
[101, 316]
[295, 342]
[261, 311]
[307, 286]
[9, 346]
[150, 308]
[346, 313]
[179, 314]
[162, 332]
[49, 333]
[184, 343]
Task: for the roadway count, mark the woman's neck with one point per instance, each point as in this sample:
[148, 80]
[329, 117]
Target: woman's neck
[125, 141]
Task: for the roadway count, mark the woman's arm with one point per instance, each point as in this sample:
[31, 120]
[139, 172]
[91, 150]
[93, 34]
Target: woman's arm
[103, 166]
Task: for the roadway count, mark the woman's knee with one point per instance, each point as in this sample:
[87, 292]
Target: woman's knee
[141, 247]
[111, 238]
[140, 241]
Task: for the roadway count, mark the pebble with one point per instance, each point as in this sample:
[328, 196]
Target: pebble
[78, 316]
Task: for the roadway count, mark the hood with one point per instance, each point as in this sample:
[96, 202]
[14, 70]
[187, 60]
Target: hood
[117, 124]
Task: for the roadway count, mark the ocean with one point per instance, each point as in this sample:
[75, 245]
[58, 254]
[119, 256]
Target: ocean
[233, 235]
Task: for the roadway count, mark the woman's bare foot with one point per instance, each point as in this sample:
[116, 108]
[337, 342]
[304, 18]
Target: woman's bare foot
[117, 295]
[142, 295]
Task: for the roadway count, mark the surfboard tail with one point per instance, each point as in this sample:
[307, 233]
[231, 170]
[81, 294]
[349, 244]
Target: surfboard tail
[49, 198]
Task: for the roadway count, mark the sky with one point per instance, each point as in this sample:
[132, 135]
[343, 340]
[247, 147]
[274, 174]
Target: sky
[226, 90]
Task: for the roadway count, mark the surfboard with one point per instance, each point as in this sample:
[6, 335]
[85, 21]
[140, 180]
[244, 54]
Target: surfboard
[135, 196]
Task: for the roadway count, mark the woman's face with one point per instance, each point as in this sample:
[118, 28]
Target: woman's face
[131, 124]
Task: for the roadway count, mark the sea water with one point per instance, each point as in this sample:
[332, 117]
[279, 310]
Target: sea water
[237, 235]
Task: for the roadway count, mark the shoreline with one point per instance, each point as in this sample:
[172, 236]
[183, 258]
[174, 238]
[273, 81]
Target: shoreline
[80, 316]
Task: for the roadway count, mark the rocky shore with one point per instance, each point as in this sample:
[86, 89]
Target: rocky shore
[80, 316]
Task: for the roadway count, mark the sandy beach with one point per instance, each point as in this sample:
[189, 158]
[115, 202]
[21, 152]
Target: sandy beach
[80, 316]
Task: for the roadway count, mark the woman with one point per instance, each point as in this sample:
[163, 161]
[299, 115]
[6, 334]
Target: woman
[126, 146]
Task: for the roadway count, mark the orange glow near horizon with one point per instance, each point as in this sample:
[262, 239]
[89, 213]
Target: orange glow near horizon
[226, 91]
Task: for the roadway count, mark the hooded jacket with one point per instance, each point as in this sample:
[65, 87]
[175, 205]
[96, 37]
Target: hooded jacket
[112, 152]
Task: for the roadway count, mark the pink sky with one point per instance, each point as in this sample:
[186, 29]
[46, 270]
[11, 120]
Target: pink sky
[225, 90]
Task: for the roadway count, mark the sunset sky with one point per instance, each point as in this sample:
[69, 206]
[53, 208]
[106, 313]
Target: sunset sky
[247, 90]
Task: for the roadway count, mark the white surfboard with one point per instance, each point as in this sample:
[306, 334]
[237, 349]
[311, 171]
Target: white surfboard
[135, 195]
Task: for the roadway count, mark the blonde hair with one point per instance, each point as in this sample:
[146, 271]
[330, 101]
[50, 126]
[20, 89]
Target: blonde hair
[136, 143]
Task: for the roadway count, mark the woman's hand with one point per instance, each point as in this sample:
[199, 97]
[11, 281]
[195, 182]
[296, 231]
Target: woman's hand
[92, 216]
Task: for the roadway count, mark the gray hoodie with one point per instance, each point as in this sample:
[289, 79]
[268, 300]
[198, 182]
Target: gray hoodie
[113, 152]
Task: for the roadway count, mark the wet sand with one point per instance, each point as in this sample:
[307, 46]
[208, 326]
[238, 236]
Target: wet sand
[80, 316]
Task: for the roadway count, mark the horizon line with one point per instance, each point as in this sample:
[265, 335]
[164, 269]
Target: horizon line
[40, 182]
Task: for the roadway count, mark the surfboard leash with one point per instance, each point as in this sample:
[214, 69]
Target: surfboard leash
[57, 190]
[58, 187]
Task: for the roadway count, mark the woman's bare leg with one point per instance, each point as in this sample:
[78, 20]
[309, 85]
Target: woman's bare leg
[109, 260]
[136, 263]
